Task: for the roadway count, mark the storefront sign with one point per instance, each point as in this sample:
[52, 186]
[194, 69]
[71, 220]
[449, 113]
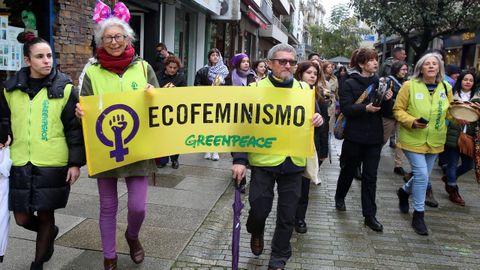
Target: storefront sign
[123, 128]
[468, 36]
[254, 16]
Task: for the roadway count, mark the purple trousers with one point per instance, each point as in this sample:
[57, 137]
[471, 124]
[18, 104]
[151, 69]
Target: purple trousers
[137, 204]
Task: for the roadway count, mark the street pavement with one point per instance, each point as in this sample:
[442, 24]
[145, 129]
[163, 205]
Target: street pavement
[189, 225]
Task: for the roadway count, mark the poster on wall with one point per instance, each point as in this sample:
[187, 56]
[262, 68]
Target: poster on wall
[16, 56]
[3, 27]
[11, 57]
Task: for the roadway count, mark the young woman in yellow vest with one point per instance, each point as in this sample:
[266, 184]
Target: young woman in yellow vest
[118, 69]
[38, 106]
[421, 108]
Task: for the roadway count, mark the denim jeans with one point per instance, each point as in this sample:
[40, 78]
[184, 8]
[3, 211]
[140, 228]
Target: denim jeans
[422, 165]
[453, 170]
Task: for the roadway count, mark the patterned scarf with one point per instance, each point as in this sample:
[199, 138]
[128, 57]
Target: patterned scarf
[219, 68]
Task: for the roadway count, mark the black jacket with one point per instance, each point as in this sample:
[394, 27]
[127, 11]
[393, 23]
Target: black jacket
[201, 77]
[50, 191]
[178, 79]
[362, 126]
[321, 132]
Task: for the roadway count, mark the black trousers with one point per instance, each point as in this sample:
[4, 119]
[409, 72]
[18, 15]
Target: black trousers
[261, 199]
[303, 201]
[353, 155]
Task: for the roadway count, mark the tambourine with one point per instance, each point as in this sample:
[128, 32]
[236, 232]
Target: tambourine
[379, 94]
[463, 110]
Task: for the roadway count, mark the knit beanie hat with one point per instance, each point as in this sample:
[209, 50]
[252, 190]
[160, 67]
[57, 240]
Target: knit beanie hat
[237, 58]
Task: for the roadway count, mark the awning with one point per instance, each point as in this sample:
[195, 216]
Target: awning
[254, 16]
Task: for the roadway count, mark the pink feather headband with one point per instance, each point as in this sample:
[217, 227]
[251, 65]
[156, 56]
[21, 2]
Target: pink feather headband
[103, 12]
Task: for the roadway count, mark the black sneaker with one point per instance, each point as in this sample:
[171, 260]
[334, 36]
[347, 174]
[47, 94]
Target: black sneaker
[399, 170]
[340, 205]
[175, 164]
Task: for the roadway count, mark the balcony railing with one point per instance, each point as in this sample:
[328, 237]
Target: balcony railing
[279, 24]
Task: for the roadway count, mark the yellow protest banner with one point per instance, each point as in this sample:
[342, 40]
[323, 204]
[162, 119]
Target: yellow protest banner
[123, 128]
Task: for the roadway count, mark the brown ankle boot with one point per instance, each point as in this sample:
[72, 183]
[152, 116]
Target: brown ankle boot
[454, 196]
[110, 264]
[430, 199]
[136, 250]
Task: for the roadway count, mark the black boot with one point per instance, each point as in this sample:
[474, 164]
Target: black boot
[1, 259]
[301, 226]
[418, 224]
[340, 204]
[36, 266]
[403, 200]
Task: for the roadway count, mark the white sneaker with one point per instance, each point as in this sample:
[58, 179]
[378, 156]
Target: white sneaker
[215, 156]
[208, 156]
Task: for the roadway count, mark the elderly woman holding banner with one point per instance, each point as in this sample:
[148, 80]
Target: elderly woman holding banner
[118, 69]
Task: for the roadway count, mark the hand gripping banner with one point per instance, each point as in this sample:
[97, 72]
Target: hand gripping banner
[123, 128]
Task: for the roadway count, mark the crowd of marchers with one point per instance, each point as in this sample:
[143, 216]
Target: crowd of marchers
[365, 105]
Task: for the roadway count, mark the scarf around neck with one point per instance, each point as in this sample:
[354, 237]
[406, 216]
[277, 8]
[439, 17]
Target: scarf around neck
[282, 84]
[239, 77]
[116, 64]
[218, 69]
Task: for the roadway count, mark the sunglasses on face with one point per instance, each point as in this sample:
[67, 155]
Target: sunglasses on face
[283, 62]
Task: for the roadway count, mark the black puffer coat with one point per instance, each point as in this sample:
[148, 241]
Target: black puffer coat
[201, 77]
[362, 127]
[34, 188]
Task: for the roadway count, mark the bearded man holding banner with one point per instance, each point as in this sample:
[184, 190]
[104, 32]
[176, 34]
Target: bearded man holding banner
[267, 169]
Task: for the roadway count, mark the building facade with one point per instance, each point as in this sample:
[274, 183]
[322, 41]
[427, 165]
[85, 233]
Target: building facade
[189, 28]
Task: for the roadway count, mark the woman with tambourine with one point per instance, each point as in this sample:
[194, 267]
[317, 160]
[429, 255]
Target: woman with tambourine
[421, 107]
[455, 147]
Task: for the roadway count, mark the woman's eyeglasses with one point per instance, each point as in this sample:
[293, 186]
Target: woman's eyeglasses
[283, 62]
[109, 39]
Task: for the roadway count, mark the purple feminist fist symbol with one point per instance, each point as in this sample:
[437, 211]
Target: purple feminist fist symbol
[118, 125]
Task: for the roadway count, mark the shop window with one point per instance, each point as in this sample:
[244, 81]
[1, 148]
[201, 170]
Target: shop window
[454, 56]
[468, 56]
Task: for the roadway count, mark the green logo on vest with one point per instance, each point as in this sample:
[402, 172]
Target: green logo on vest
[45, 120]
[134, 86]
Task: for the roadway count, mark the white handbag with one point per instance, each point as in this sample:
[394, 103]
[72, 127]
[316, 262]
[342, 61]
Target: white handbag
[311, 170]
